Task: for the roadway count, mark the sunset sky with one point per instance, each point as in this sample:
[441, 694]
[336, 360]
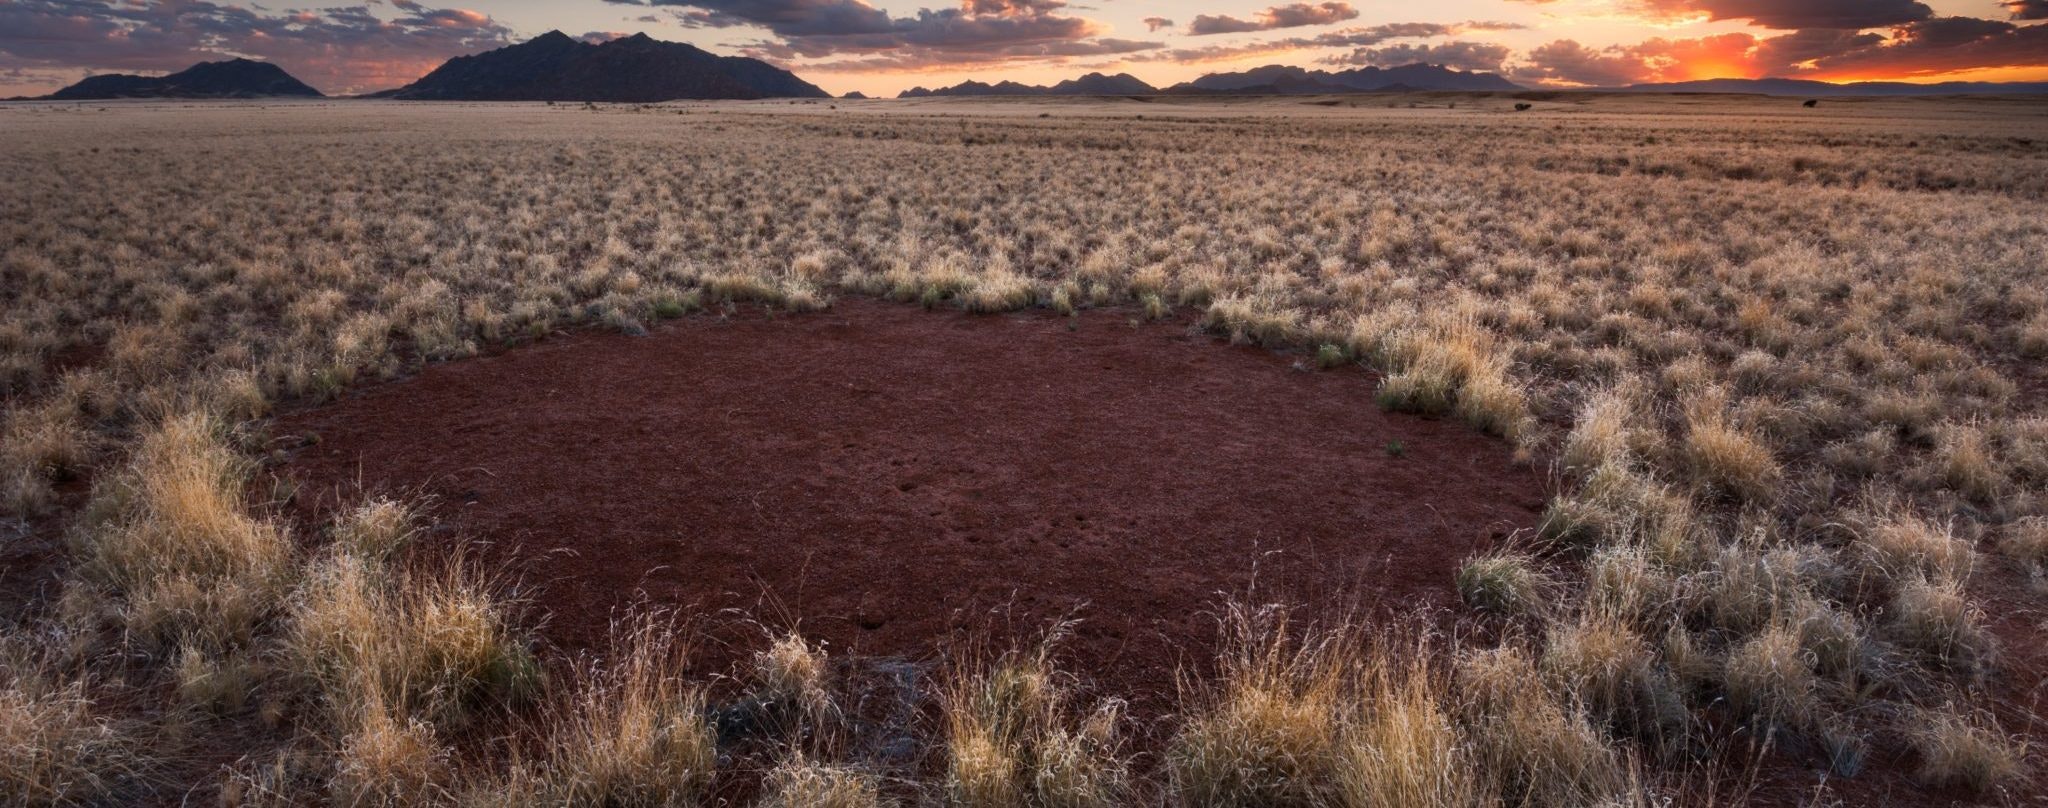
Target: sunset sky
[883, 46]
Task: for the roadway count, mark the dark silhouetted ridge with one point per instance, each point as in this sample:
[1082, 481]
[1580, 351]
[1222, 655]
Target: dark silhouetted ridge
[634, 69]
[234, 78]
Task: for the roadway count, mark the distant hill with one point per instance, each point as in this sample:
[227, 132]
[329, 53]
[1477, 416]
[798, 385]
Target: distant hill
[1091, 84]
[1805, 87]
[634, 69]
[1290, 80]
[234, 78]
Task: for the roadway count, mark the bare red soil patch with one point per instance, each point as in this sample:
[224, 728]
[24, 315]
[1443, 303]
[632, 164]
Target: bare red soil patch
[892, 478]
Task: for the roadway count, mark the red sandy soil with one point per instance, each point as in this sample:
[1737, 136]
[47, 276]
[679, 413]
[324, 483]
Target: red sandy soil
[893, 480]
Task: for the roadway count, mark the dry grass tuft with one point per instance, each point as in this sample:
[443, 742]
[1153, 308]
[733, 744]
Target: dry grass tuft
[1407, 748]
[55, 746]
[1013, 738]
[1534, 747]
[1504, 583]
[433, 645]
[1771, 682]
[388, 760]
[1960, 747]
[1268, 729]
[632, 732]
[803, 784]
[1729, 460]
[376, 529]
[1936, 619]
[172, 537]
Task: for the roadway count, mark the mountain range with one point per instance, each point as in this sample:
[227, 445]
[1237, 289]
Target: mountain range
[1291, 80]
[633, 69]
[234, 78]
[1822, 88]
[1268, 80]
[1091, 84]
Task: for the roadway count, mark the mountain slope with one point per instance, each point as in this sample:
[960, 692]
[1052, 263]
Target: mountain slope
[634, 69]
[235, 78]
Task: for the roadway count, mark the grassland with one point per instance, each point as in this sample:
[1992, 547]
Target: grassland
[1785, 364]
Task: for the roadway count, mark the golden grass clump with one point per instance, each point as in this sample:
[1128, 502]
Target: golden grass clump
[388, 760]
[429, 645]
[1407, 748]
[1534, 748]
[1729, 460]
[1770, 680]
[793, 677]
[2027, 540]
[1268, 731]
[1013, 736]
[376, 529]
[172, 537]
[632, 731]
[56, 748]
[1901, 547]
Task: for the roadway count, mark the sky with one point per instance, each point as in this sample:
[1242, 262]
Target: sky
[881, 47]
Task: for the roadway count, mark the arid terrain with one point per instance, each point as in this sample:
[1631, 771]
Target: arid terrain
[1321, 451]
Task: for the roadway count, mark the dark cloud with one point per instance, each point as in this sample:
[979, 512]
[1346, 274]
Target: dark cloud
[341, 49]
[1362, 37]
[1943, 45]
[1791, 53]
[818, 28]
[2027, 9]
[1294, 15]
[1566, 61]
[1791, 14]
[1473, 56]
[1157, 23]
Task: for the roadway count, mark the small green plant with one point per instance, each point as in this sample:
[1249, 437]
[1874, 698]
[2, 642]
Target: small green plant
[1330, 356]
[1396, 448]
